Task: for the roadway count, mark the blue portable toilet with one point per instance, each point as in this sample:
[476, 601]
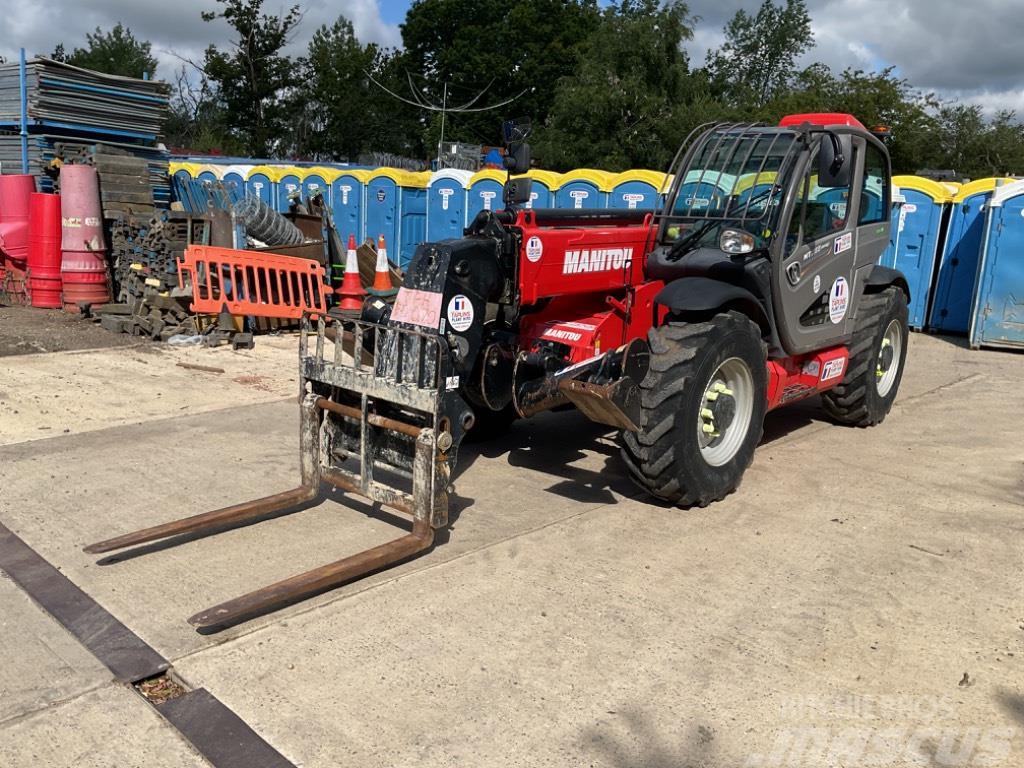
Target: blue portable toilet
[234, 178]
[396, 207]
[317, 179]
[412, 228]
[289, 181]
[638, 189]
[997, 312]
[958, 266]
[542, 191]
[703, 190]
[584, 188]
[485, 192]
[183, 171]
[348, 193]
[209, 172]
[753, 186]
[446, 204]
[915, 234]
[261, 182]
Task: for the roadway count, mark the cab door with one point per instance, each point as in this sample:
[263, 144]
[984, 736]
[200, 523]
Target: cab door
[830, 237]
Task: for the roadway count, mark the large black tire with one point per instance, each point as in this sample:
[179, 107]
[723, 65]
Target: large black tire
[665, 457]
[859, 400]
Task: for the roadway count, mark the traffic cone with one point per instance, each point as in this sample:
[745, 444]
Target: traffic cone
[382, 274]
[351, 291]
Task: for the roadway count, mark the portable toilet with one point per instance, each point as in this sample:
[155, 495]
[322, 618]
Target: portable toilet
[888, 256]
[184, 171]
[915, 234]
[485, 192]
[542, 191]
[317, 180]
[703, 190]
[753, 187]
[208, 172]
[584, 188]
[446, 204]
[997, 312]
[261, 182]
[289, 182]
[234, 178]
[958, 266]
[413, 225]
[348, 202]
[396, 207]
[637, 189]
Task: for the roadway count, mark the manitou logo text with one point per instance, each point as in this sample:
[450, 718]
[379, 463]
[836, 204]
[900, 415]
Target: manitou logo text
[597, 260]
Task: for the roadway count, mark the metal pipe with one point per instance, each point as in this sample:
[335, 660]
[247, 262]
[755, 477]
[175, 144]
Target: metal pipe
[378, 421]
[23, 86]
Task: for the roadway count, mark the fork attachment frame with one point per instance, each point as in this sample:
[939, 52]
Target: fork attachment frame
[415, 390]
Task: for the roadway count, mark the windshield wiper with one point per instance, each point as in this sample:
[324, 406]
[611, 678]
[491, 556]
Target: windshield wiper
[681, 247]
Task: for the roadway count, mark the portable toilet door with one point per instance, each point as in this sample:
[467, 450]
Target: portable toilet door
[485, 192]
[702, 191]
[383, 208]
[997, 312]
[184, 171]
[888, 256]
[261, 182]
[637, 189]
[412, 225]
[348, 200]
[317, 180]
[584, 188]
[916, 232]
[542, 191]
[208, 172]
[958, 267]
[234, 179]
[289, 183]
[446, 204]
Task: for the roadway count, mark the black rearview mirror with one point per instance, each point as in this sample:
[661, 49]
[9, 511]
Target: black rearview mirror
[517, 159]
[517, 191]
[835, 160]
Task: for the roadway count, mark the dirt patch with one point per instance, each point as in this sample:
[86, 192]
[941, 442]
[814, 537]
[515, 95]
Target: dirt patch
[159, 689]
[28, 330]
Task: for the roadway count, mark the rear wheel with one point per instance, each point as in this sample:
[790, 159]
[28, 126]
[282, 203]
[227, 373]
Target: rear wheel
[878, 352]
[702, 410]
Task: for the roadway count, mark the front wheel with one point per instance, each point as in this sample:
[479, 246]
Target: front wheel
[878, 351]
[702, 410]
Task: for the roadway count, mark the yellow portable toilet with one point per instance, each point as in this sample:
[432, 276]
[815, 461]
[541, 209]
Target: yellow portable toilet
[638, 188]
[261, 182]
[584, 188]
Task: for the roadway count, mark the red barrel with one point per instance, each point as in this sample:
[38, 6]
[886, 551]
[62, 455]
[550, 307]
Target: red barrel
[83, 263]
[15, 190]
[84, 278]
[44, 256]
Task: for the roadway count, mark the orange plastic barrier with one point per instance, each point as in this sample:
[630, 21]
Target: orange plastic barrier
[252, 283]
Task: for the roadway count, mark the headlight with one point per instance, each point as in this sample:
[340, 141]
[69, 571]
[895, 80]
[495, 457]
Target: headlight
[736, 241]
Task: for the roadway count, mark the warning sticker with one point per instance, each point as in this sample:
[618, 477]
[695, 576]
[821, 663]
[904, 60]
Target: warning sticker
[534, 249]
[460, 313]
[838, 300]
[843, 243]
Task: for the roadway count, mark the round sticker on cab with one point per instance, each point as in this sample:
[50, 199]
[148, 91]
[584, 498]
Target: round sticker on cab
[460, 313]
[534, 249]
[838, 300]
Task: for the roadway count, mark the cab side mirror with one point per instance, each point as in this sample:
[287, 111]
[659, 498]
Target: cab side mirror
[517, 191]
[835, 160]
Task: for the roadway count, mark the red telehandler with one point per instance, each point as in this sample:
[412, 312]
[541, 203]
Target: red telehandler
[754, 286]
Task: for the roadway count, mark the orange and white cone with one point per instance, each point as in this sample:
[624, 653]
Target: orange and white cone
[351, 291]
[382, 274]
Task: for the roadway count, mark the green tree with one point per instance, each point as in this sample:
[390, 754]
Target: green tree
[253, 79]
[756, 61]
[510, 49]
[116, 52]
[615, 111]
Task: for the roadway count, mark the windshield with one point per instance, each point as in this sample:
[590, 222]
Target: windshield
[734, 177]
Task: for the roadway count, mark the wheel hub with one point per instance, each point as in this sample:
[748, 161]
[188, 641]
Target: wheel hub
[885, 358]
[719, 409]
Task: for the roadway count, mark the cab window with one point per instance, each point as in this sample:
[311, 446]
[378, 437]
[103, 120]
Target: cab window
[874, 189]
[819, 212]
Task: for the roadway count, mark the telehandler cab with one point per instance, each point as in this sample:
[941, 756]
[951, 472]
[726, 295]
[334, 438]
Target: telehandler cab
[754, 286]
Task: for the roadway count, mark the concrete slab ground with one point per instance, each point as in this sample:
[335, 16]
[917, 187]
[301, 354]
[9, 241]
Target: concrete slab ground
[861, 588]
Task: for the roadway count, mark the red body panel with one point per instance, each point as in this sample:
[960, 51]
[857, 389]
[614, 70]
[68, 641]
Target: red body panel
[590, 279]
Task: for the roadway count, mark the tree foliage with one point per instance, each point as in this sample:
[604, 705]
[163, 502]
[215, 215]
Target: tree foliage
[116, 52]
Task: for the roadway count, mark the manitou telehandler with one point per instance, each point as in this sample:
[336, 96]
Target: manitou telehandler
[755, 285]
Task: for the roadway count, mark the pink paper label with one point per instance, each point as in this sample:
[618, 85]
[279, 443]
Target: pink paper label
[421, 308]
